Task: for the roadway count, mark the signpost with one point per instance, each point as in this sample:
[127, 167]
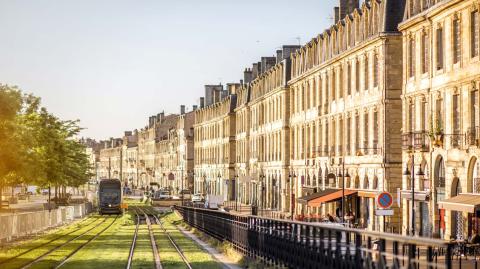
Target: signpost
[384, 202]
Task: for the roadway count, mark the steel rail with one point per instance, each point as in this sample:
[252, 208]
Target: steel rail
[134, 242]
[86, 243]
[158, 264]
[50, 241]
[172, 241]
[59, 246]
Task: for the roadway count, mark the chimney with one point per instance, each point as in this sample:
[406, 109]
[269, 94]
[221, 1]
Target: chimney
[287, 50]
[346, 7]
[202, 102]
[247, 75]
[194, 107]
[279, 56]
[267, 63]
[336, 14]
[182, 109]
[161, 117]
[151, 120]
[255, 70]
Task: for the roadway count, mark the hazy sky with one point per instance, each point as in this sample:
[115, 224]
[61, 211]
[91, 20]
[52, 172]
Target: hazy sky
[113, 63]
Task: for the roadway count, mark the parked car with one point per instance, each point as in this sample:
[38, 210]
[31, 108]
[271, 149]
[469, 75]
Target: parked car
[162, 195]
[186, 194]
[197, 198]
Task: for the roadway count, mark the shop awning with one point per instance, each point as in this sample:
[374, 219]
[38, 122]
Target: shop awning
[330, 197]
[306, 199]
[462, 202]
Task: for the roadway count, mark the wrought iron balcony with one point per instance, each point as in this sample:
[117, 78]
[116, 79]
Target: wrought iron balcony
[457, 140]
[473, 136]
[407, 141]
[421, 141]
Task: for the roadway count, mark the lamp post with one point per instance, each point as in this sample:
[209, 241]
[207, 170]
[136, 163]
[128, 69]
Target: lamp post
[219, 176]
[411, 172]
[292, 177]
[342, 174]
[262, 177]
[236, 192]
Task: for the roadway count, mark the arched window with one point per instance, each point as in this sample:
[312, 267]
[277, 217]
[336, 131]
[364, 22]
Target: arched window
[366, 183]
[476, 177]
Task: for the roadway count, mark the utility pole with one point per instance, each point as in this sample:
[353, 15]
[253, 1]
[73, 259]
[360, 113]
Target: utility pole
[109, 167]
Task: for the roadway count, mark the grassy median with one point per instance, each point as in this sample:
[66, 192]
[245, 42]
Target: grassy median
[109, 250]
[41, 248]
[195, 254]
[13, 249]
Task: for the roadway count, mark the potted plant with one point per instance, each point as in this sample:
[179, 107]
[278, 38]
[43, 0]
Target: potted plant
[438, 134]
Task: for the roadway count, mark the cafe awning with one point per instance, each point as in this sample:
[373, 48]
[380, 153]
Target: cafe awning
[330, 197]
[463, 202]
[307, 198]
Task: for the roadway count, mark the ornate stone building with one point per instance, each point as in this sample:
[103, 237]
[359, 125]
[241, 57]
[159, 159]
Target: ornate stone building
[242, 142]
[110, 156]
[441, 74]
[346, 110]
[214, 132]
[185, 149]
[269, 134]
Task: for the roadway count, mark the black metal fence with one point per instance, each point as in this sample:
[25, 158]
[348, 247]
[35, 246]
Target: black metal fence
[306, 245]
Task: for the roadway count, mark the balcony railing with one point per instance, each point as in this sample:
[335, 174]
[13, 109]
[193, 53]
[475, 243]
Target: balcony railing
[407, 141]
[473, 136]
[457, 140]
[421, 141]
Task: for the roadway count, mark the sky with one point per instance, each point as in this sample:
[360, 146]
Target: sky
[113, 63]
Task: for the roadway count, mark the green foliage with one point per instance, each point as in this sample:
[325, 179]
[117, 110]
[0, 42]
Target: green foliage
[36, 147]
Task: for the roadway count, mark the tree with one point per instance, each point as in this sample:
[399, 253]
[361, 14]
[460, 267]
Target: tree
[36, 146]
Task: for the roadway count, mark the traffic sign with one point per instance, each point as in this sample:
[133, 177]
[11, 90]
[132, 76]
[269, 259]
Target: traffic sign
[384, 200]
[384, 212]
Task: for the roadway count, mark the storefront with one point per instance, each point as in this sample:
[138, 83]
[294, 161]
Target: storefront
[465, 206]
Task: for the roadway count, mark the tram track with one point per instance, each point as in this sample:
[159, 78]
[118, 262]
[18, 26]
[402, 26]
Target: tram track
[83, 225]
[172, 241]
[134, 241]
[141, 215]
[85, 244]
[41, 257]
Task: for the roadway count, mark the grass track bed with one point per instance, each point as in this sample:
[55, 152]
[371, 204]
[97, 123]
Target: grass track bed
[11, 250]
[195, 254]
[54, 258]
[32, 255]
[109, 250]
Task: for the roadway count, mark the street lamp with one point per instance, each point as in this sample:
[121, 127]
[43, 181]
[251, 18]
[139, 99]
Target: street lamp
[262, 177]
[204, 186]
[342, 174]
[217, 187]
[412, 185]
[292, 177]
[236, 192]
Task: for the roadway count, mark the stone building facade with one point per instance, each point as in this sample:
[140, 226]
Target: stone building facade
[441, 74]
[110, 159]
[214, 133]
[346, 114]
